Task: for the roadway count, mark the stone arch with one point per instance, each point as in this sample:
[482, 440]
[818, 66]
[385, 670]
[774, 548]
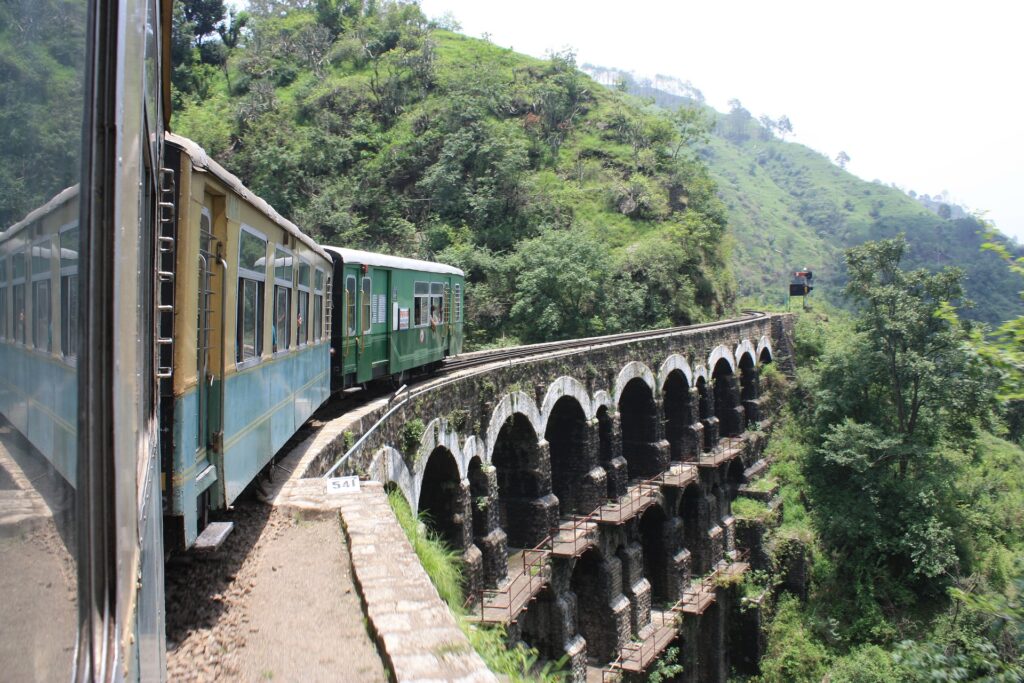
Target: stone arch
[515, 403]
[735, 477]
[721, 352]
[438, 434]
[653, 531]
[634, 370]
[443, 500]
[395, 471]
[678, 415]
[750, 387]
[691, 510]
[764, 344]
[674, 363]
[744, 346]
[527, 509]
[705, 412]
[639, 420]
[578, 489]
[566, 386]
[609, 452]
[591, 585]
[602, 398]
[727, 398]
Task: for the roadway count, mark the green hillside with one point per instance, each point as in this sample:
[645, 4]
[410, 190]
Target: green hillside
[790, 207]
[574, 209]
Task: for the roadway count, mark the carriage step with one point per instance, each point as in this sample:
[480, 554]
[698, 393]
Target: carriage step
[214, 535]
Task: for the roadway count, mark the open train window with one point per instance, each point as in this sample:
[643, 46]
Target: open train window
[457, 304]
[252, 275]
[69, 291]
[302, 309]
[318, 306]
[350, 304]
[437, 301]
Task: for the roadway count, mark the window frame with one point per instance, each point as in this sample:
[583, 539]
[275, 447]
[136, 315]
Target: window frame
[457, 302]
[419, 305]
[69, 328]
[351, 305]
[288, 286]
[303, 339]
[319, 275]
[259, 280]
[46, 275]
[3, 296]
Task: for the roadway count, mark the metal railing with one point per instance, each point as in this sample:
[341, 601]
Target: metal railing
[638, 498]
[503, 605]
[725, 449]
[573, 536]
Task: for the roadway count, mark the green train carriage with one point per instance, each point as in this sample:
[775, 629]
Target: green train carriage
[392, 316]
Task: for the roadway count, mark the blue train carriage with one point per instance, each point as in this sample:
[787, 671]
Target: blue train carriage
[251, 338]
[392, 316]
[39, 329]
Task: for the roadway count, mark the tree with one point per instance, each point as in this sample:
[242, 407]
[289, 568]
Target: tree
[892, 398]
[842, 159]
[784, 126]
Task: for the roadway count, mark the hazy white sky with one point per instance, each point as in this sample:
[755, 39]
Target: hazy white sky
[928, 95]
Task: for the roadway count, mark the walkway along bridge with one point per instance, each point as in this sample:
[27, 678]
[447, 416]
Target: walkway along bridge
[588, 487]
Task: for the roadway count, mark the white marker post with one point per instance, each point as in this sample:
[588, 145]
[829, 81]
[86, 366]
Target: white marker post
[340, 485]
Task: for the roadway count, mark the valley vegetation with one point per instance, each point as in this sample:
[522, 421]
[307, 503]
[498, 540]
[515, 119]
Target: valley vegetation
[902, 474]
[573, 209]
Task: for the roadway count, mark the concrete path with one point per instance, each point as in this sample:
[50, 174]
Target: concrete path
[417, 634]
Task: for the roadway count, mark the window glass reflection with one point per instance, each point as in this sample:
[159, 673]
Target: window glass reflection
[42, 53]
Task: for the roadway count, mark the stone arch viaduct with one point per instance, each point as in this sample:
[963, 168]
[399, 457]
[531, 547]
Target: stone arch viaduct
[589, 492]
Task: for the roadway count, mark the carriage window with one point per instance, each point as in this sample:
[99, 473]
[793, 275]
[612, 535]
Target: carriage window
[457, 303]
[252, 274]
[350, 304]
[69, 292]
[42, 338]
[3, 298]
[318, 306]
[18, 298]
[302, 323]
[283, 274]
[421, 304]
[437, 302]
[367, 291]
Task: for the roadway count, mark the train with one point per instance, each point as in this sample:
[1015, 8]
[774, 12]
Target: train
[163, 333]
[261, 337]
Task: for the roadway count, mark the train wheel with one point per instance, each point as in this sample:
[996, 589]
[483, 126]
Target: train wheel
[399, 378]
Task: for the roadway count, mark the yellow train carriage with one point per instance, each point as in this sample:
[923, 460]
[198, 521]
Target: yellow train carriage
[250, 339]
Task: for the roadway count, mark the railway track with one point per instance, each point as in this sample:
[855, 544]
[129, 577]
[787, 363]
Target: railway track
[477, 358]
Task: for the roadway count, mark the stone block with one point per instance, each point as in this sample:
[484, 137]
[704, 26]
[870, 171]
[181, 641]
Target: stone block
[473, 569]
[710, 432]
[639, 604]
[592, 490]
[622, 622]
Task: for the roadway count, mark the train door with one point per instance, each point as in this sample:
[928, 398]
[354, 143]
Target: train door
[379, 322]
[204, 374]
[351, 341]
[364, 372]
